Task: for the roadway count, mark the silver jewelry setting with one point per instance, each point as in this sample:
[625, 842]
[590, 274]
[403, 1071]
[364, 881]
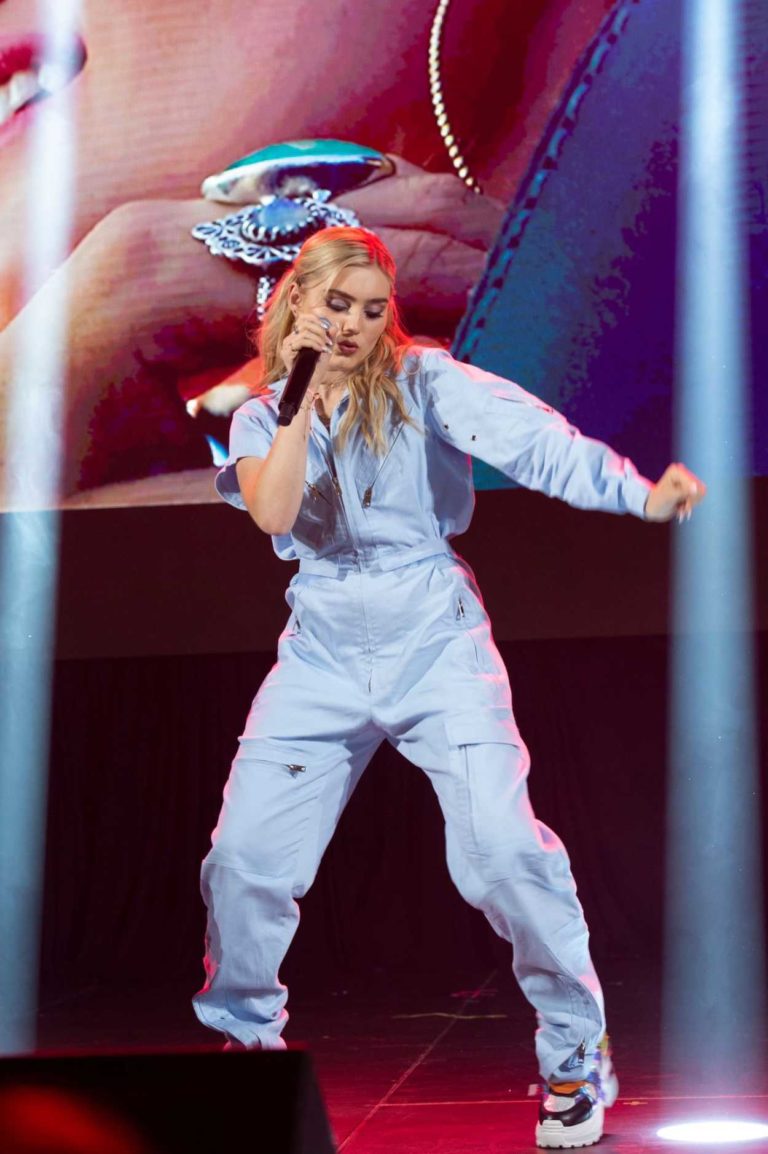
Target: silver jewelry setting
[269, 234]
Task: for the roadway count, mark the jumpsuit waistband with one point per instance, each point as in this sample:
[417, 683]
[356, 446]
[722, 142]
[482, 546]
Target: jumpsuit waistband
[379, 561]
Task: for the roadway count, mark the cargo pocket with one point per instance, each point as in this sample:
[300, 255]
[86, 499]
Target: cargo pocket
[491, 764]
[270, 808]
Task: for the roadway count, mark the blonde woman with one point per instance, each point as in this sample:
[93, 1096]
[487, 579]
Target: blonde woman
[388, 638]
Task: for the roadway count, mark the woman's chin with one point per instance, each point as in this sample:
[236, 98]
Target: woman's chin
[337, 363]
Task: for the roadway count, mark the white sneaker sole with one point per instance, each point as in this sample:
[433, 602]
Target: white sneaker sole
[553, 1135]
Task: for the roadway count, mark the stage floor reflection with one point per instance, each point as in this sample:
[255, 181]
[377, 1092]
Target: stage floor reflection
[434, 1066]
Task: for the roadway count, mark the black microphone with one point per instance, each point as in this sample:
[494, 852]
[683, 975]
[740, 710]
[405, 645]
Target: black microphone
[298, 381]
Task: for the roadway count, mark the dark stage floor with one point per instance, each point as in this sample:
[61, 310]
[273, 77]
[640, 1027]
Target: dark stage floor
[426, 1066]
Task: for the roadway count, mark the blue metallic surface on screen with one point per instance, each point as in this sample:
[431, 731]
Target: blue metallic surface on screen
[577, 302]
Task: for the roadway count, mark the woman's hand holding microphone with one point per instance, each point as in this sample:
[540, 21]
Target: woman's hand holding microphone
[315, 332]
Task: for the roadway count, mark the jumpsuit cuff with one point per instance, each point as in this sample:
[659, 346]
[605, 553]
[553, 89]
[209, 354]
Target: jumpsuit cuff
[635, 494]
[227, 486]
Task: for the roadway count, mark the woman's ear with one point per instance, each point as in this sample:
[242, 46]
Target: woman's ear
[294, 299]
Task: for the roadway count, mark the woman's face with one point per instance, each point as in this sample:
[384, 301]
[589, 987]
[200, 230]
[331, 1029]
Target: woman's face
[357, 303]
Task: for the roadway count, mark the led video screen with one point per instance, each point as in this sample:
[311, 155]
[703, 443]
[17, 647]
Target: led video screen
[519, 160]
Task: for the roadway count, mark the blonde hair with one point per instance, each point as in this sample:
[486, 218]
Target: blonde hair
[373, 389]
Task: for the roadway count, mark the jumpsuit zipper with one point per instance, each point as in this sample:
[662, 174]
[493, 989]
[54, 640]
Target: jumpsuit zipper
[331, 464]
[368, 494]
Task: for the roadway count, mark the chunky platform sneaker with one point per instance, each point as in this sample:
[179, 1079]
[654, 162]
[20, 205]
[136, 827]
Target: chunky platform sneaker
[572, 1113]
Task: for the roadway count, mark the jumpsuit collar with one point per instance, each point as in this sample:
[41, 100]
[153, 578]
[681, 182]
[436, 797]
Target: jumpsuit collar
[323, 430]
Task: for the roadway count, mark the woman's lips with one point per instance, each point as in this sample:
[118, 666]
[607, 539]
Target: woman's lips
[19, 56]
[346, 346]
[28, 75]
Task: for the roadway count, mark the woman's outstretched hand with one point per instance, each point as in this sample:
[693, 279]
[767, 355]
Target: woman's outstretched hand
[674, 495]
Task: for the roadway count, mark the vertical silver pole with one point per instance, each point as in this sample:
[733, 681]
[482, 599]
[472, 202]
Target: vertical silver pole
[29, 539]
[714, 969]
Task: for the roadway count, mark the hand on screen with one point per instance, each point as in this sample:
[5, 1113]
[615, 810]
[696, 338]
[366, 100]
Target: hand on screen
[148, 308]
[438, 231]
[155, 318]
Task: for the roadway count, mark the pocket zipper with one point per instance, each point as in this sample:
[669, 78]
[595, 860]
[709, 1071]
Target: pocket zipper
[317, 492]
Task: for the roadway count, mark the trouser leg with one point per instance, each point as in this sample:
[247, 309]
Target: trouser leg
[516, 870]
[452, 716]
[280, 810]
[308, 737]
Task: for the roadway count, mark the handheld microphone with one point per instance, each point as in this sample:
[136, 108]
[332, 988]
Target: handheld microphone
[298, 381]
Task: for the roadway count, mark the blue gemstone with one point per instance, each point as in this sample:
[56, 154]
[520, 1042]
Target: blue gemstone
[279, 217]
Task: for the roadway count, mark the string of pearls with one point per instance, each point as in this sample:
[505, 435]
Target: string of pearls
[438, 102]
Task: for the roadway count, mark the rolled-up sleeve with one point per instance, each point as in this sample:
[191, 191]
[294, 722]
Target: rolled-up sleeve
[250, 435]
[508, 428]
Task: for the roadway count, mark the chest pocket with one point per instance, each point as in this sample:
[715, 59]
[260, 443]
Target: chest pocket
[320, 522]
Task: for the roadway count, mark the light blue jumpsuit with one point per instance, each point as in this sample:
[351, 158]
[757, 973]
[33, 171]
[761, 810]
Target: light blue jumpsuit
[388, 638]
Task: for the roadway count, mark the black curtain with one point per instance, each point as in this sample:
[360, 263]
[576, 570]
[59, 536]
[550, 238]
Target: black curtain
[140, 753]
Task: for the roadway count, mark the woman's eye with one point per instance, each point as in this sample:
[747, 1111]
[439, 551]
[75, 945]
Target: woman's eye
[342, 306]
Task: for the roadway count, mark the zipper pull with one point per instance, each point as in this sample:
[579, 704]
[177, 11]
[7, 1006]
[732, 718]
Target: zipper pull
[367, 495]
[461, 610]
